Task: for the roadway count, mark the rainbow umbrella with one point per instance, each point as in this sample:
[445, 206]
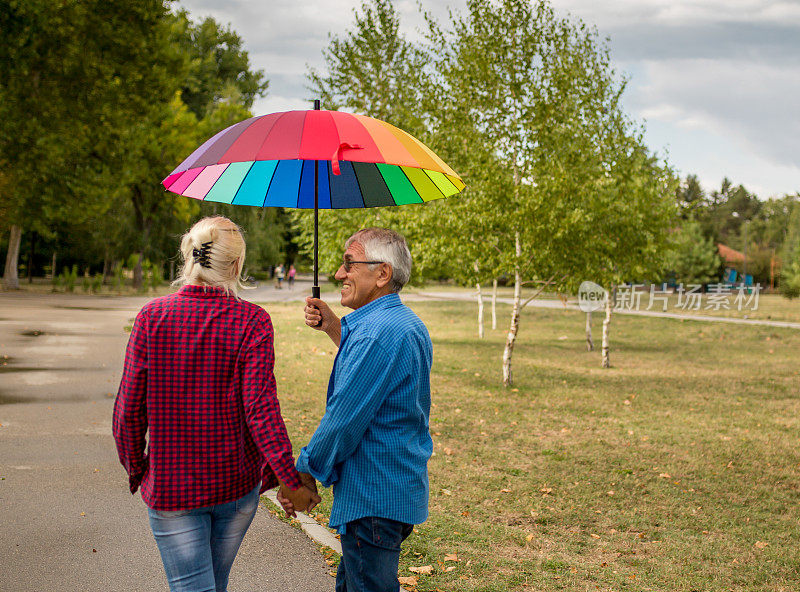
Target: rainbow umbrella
[314, 159]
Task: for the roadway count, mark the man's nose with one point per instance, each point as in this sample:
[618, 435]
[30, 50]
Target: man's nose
[340, 273]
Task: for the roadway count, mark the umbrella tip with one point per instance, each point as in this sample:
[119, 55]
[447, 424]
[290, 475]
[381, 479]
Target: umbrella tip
[316, 104]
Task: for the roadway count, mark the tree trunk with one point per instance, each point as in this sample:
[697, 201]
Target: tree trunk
[494, 303]
[30, 257]
[606, 323]
[10, 275]
[515, 313]
[108, 267]
[138, 274]
[589, 342]
[53, 272]
[480, 310]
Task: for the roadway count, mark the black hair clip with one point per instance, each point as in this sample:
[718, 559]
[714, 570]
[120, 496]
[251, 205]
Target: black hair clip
[202, 256]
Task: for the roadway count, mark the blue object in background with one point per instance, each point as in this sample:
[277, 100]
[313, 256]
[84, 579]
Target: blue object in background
[730, 276]
[748, 280]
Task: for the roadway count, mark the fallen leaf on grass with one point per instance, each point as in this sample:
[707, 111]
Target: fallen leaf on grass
[761, 545]
[505, 491]
[451, 568]
[529, 538]
[446, 492]
[424, 570]
[451, 557]
[665, 476]
[409, 581]
[448, 451]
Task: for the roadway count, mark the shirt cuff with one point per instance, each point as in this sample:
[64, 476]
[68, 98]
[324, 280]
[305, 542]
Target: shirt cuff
[288, 474]
[304, 466]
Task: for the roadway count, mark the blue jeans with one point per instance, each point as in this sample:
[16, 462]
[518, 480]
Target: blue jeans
[370, 555]
[198, 546]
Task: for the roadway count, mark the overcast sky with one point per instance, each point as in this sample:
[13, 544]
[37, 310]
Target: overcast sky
[716, 82]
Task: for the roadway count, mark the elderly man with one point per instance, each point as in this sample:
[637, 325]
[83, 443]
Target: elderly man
[373, 443]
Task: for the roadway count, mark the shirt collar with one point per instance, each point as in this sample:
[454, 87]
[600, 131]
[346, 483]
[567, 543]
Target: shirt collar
[382, 303]
[193, 291]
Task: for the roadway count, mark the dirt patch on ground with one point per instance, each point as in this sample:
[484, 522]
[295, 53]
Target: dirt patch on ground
[10, 400]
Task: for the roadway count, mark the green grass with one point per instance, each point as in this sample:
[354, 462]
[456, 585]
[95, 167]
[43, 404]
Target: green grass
[676, 469]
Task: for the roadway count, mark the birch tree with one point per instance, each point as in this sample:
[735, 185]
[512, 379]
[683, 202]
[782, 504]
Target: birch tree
[539, 92]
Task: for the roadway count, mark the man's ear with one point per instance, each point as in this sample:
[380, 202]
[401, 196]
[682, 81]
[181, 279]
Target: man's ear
[385, 273]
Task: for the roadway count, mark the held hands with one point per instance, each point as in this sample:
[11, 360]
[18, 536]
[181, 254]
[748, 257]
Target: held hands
[303, 499]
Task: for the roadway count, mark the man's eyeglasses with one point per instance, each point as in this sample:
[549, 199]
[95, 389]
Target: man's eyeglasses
[348, 263]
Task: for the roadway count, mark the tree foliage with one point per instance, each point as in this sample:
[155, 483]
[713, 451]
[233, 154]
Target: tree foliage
[100, 100]
[693, 257]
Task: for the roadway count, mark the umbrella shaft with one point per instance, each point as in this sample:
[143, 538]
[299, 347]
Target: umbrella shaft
[316, 226]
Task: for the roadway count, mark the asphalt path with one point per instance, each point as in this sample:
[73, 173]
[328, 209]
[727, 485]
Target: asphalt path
[67, 520]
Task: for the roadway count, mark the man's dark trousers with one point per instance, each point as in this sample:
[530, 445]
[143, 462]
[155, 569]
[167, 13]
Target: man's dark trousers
[370, 555]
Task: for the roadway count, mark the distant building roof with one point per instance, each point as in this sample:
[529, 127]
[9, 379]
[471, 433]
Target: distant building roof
[729, 255]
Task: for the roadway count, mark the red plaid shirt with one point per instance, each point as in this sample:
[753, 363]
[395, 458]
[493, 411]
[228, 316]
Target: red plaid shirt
[198, 376]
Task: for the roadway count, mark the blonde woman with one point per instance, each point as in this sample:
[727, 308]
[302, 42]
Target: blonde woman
[198, 379]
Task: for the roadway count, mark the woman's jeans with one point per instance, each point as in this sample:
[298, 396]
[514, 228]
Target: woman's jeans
[198, 546]
[370, 555]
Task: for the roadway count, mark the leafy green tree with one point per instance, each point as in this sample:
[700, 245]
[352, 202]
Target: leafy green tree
[213, 90]
[691, 197]
[526, 107]
[373, 69]
[693, 258]
[790, 270]
[218, 66]
[72, 77]
[790, 274]
[584, 198]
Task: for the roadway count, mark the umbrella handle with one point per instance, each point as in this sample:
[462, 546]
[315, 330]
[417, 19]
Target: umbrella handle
[315, 293]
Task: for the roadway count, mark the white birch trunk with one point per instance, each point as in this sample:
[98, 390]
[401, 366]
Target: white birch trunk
[589, 342]
[515, 313]
[480, 310]
[606, 323]
[494, 303]
[11, 273]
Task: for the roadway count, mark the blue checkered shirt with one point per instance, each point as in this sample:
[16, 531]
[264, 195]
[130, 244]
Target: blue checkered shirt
[373, 443]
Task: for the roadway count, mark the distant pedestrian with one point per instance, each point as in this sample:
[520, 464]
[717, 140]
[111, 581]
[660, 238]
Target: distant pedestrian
[292, 273]
[280, 272]
[196, 421]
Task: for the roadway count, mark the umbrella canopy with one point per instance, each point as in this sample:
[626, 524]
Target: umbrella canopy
[270, 161]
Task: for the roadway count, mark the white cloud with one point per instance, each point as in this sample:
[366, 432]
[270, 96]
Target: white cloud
[725, 73]
[752, 103]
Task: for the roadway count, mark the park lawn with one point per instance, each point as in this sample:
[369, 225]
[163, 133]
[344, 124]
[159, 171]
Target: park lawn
[676, 469]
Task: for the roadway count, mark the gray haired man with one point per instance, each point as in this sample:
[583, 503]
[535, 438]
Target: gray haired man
[373, 443]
